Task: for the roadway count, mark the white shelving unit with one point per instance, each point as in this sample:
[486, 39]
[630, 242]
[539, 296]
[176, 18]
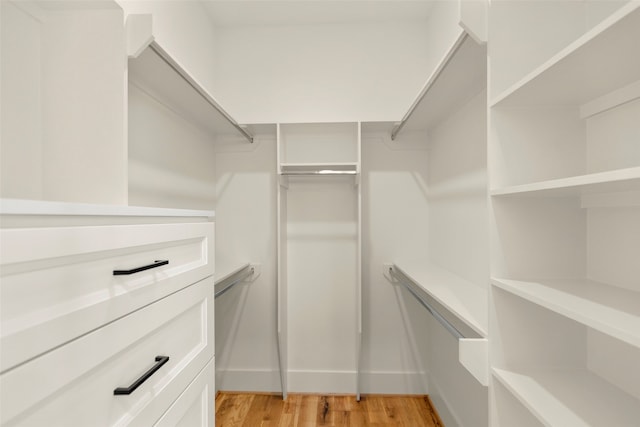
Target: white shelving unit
[565, 167]
[319, 256]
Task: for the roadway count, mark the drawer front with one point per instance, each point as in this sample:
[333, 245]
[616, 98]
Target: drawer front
[74, 384]
[58, 283]
[196, 405]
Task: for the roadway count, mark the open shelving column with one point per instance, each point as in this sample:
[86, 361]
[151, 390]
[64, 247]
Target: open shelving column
[319, 197]
[565, 162]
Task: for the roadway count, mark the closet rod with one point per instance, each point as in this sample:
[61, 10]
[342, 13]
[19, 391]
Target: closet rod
[430, 82]
[182, 73]
[230, 282]
[313, 173]
[404, 281]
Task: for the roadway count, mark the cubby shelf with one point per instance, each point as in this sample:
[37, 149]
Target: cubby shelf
[609, 309]
[464, 299]
[576, 398]
[597, 63]
[615, 180]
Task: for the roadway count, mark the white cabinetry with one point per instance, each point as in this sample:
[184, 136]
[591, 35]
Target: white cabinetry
[88, 308]
[565, 180]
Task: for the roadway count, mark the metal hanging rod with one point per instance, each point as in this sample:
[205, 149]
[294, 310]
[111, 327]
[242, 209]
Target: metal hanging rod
[404, 281]
[430, 82]
[230, 281]
[320, 173]
[182, 73]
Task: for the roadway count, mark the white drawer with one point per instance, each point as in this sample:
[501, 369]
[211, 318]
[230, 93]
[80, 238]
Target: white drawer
[59, 283]
[74, 384]
[196, 405]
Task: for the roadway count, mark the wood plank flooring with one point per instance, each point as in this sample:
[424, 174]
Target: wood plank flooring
[301, 410]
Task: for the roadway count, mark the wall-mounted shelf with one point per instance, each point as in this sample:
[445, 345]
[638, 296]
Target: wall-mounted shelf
[159, 74]
[609, 309]
[574, 398]
[467, 301]
[473, 352]
[318, 169]
[461, 74]
[597, 63]
[225, 280]
[615, 180]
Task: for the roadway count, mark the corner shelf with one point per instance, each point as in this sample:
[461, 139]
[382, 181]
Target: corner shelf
[615, 180]
[461, 74]
[575, 398]
[608, 309]
[158, 73]
[464, 299]
[597, 63]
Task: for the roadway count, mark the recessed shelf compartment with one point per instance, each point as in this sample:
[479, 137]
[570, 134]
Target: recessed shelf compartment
[597, 63]
[467, 301]
[608, 309]
[575, 398]
[610, 181]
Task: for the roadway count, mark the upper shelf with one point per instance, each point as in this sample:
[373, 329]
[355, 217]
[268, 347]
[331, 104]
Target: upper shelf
[601, 61]
[461, 74]
[467, 301]
[615, 180]
[154, 70]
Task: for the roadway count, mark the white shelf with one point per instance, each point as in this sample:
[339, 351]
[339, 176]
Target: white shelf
[608, 309]
[158, 74]
[601, 61]
[222, 275]
[576, 398]
[327, 169]
[461, 75]
[466, 300]
[616, 180]
[38, 207]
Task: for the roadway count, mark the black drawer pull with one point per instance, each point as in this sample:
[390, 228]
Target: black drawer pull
[160, 360]
[155, 264]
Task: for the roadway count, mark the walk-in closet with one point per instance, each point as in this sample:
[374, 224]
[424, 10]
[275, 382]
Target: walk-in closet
[221, 212]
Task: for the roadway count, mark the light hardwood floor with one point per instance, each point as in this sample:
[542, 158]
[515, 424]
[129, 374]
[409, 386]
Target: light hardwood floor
[255, 410]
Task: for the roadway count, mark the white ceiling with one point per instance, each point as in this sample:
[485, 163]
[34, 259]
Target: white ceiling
[303, 12]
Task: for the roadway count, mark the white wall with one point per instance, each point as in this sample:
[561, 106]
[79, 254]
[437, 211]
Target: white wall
[246, 350]
[394, 226]
[171, 161]
[320, 73]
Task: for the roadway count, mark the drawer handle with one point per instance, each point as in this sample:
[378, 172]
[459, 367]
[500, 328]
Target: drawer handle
[155, 264]
[160, 360]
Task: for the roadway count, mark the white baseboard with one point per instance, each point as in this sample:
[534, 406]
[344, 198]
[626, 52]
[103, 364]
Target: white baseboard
[330, 382]
[442, 407]
[394, 383]
[263, 381]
